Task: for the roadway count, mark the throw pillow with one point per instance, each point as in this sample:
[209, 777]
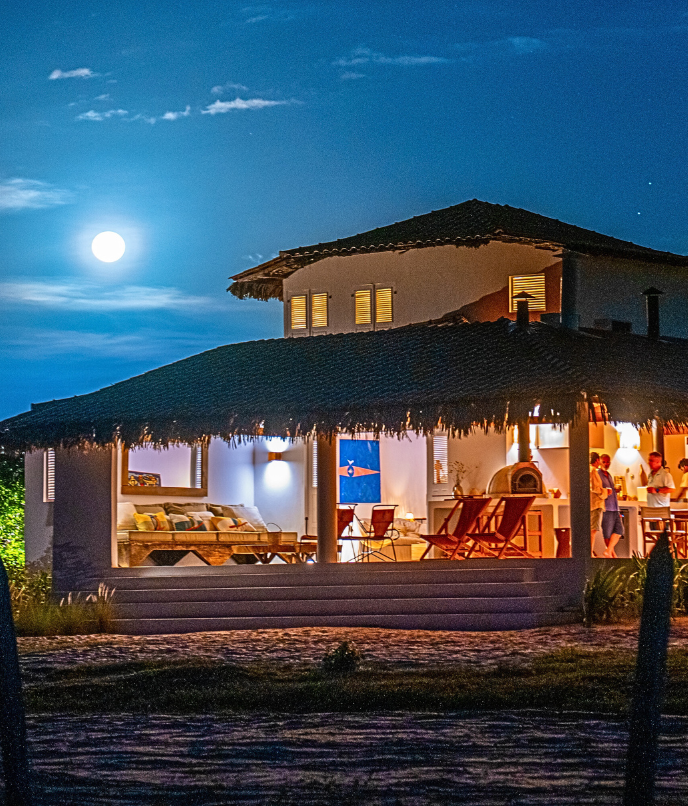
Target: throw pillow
[125, 516]
[174, 509]
[230, 524]
[181, 523]
[202, 515]
[199, 527]
[148, 509]
[144, 523]
[250, 514]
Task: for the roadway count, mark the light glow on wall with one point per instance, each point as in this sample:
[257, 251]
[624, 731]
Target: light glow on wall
[276, 444]
[277, 475]
[629, 436]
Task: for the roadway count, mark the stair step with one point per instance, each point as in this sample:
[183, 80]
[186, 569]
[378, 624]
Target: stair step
[424, 621]
[455, 590]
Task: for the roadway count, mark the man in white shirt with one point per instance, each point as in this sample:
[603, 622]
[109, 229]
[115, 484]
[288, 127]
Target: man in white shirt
[659, 482]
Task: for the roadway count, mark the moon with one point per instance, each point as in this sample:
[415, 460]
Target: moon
[108, 246]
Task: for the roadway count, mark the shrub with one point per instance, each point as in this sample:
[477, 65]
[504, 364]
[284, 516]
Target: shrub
[345, 659]
[605, 595]
[638, 578]
[12, 512]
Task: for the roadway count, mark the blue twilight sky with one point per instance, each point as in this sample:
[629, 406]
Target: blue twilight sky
[212, 134]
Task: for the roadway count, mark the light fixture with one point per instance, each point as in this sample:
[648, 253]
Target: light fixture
[409, 516]
[274, 456]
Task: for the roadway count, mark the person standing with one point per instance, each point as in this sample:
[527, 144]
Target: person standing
[659, 482]
[598, 495]
[681, 494]
[612, 525]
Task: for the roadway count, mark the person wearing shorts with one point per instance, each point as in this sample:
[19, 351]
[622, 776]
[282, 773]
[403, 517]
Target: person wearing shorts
[612, 525]
[598, 495]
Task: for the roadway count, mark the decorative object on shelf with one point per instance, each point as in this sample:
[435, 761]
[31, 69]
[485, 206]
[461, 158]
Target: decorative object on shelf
[458, 471]
[556, 492]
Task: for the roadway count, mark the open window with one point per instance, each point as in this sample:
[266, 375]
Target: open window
[177, 470]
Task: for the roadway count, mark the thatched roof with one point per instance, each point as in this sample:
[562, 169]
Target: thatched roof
[472, 223]
[410, 378]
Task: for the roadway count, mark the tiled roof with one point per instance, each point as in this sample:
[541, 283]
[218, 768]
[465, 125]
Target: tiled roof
[471, 223]
[408, 378]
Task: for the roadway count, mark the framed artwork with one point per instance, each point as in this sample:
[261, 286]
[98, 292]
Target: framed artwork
[359, 471]
[136, 479]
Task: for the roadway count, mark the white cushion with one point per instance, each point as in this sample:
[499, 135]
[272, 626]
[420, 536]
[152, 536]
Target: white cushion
[250, 514]
[125, 516]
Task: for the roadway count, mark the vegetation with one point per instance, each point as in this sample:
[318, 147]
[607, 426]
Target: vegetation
[617, 592]
[36, 613]
[345, 659]
[566, 680]
[12, 512]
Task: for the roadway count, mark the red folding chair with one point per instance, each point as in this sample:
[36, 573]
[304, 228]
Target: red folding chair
[456, 541]
[496, 542]
[380, 529]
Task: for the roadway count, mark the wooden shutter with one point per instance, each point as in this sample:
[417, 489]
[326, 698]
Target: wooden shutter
[440, 459]
[383, 305]
[533, 284]
[364, 306]
[298, 313]
[49, 475]
[319, 310]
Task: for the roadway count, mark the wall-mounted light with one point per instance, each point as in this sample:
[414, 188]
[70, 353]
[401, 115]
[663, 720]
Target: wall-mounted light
[274, 456]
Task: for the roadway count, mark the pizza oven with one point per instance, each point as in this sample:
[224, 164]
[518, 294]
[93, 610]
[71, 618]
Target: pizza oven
[523, 478]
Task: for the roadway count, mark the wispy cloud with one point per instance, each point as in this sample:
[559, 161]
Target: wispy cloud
[176, 115]
[73, 296]
[268, 13]
[501, 48]
[220, 89]
[80, 72]
[368, 56]
[97, 116]
[220, 107]
[30, 194]
[105, 97]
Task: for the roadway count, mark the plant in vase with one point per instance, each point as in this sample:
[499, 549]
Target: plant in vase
[458, 471]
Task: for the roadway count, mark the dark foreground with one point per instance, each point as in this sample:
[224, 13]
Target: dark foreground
[343, 759]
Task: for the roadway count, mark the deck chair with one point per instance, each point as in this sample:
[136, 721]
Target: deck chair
[455, 541]
[345, 517]
[380, 529]
[498, 540]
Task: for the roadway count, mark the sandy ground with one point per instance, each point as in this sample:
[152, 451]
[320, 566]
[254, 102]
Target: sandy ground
[397, 648]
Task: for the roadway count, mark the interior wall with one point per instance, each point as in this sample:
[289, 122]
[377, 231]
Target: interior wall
[403, 480]
[279, 483]
[38, 514]
[483, 454]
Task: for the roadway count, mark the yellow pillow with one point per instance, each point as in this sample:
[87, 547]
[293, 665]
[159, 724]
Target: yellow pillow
[231, 524]
[151, 522]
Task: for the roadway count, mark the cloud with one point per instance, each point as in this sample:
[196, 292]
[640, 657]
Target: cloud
[93, 115]
[368, 56]
[30, 194]
[176, 115]
[502, 48]
[105, 97]
[91, 298]
[220, 89]
[220, 107]
[81, 72]
[349, 75]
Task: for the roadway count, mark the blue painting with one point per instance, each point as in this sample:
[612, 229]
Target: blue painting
[359, 471]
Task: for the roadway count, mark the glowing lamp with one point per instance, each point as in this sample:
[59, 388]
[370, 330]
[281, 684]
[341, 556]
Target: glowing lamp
[274, 456]
[409, 516]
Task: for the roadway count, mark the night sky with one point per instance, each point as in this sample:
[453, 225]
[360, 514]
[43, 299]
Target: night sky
[212, 134]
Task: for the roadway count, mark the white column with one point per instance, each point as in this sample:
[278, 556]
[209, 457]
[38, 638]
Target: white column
[327, 499]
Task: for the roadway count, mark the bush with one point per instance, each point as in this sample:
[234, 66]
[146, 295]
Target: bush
[345, 659]
[638, 578]
[12, 512]
[605, 596]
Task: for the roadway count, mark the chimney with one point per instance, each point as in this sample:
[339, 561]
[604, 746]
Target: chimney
[652, 300]
[524, 440]
[522, 313]
[570, 318]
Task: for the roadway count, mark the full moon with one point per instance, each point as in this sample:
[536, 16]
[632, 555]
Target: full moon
[108, 247]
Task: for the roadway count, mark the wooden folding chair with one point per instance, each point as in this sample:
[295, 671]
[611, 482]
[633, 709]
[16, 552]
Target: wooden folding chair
[653, 521]
[452, 543]
[345, 517]
[380, 529]
[499, 539]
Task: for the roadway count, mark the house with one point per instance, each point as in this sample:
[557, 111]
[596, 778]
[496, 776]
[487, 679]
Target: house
[424, 362]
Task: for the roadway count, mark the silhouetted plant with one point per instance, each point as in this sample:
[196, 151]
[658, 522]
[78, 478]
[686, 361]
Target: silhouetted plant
[638, 578]
[605, 595]
[345, 659]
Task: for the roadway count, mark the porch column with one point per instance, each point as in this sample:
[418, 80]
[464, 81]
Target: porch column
[83, 517]
[327, 499]
[658, 434]
[579, 489]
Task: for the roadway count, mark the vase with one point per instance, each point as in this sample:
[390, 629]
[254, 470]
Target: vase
[458, 491]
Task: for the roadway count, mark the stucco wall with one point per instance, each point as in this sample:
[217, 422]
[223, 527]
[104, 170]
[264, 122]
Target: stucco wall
[428, 282]
[280, 493]
[610, 288]
[38, 514]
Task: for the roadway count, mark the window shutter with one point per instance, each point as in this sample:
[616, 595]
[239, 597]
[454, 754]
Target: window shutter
[364, 306]
[533, 284]
[49, 476]
[319, 310]
[314, 463]
[383, 304]
[298, 313]
[197, 467]
[440, 456]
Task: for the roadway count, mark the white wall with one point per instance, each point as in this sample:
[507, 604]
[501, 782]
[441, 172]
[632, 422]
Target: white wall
[610, 288]
[482, 454]
[280, 484]
[38, 514]
[428, 282]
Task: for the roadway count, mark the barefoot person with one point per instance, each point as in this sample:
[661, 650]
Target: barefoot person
[612, 525]
[659, 482]
[598, 495]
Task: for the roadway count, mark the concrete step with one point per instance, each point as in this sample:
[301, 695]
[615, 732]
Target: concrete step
[455, 590]
[285, 576]
[423, 621]
[336, 607]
